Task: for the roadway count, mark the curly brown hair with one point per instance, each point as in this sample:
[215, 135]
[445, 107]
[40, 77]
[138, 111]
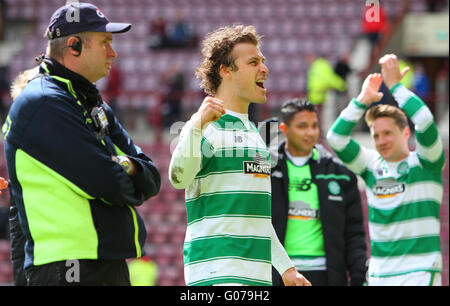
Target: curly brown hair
[216, 51]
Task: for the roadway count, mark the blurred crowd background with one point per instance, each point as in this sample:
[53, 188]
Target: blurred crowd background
[319, 49]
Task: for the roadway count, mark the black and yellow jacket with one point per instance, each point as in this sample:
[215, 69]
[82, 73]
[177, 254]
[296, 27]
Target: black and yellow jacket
[73, 200]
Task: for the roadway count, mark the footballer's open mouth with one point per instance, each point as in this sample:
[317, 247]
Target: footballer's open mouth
[260, 83]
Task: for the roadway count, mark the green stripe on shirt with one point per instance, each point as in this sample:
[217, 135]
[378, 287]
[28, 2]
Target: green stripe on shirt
[344, 127]
[428, 137]
[350, 152]
[405, 246]
[238, 247]
[411, 211]
[238, 203]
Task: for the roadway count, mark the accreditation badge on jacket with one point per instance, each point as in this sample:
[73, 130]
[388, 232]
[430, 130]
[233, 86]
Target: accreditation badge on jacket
[100, 121]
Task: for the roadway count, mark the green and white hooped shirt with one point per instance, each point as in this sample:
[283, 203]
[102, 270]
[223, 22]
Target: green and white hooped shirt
[226, 173]
[404, 198]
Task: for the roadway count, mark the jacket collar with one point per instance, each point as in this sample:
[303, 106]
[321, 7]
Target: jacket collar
[281, 152]
[77, 85]
[320, 154]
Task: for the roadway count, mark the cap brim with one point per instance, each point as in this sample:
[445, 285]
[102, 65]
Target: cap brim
[113, 27]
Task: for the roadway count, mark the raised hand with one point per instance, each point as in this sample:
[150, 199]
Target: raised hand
[370, 89]
[210, 110]
[390, 70]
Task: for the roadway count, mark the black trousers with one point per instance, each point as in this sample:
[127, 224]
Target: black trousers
[82, 272]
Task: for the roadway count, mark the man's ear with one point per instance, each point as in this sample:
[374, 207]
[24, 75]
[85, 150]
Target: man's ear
[407, 132]
[283, 128]
[224, 70]
[74, 45]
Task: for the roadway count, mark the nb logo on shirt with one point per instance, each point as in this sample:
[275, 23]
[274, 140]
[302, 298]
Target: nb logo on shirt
[303, 185]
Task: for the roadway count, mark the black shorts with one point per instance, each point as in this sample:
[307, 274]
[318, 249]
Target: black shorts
[82, 272]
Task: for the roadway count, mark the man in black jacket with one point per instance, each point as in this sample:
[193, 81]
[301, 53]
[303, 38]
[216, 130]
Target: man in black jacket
[316, 205]
[75, 174]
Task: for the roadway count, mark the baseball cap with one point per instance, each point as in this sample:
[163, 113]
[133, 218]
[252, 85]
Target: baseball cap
[77, 17]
